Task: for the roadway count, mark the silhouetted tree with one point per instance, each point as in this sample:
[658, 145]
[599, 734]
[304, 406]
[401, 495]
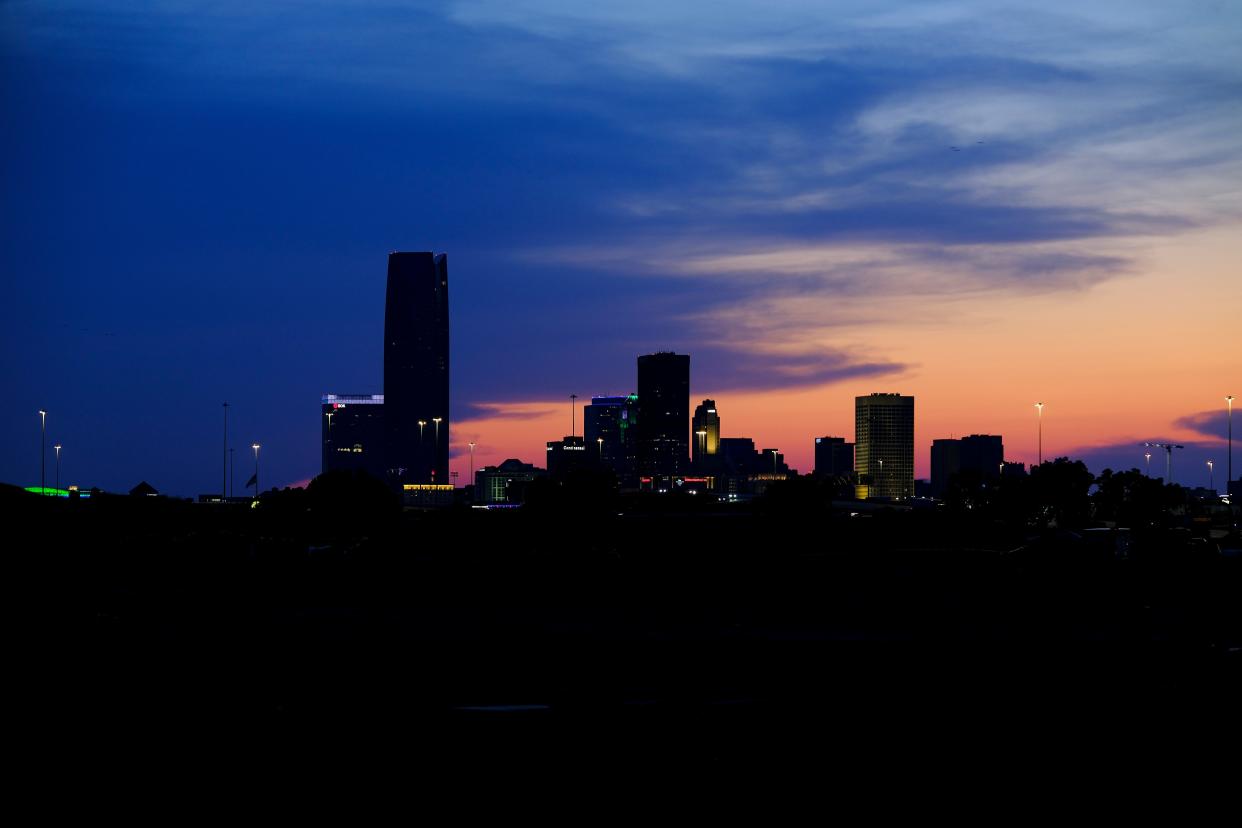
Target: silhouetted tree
[802, 496]
[350, 501]
[579, 491]
[1131, 498]
[1060, 492]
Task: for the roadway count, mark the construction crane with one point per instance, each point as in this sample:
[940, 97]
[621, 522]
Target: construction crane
[1168, 457]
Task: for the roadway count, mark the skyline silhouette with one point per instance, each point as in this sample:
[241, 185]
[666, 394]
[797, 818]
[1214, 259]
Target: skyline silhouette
[777, 193]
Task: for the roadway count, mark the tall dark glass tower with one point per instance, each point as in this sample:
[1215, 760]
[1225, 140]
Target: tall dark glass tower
[416, 368]
[663, 414]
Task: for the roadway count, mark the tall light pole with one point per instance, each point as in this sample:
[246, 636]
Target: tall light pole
[599, 454]
[1229, 401]
[774, 471]
[255, 446]
[224, 460]
[1211, 476]
[57, 447]
[471, 464]
[43, 452]
[1147, 454]
[880, 481]
[573, 415]
[230, 493]
[329, 414]
[421, 425]
[1040, 407]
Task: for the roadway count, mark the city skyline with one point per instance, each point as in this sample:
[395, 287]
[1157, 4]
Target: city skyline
[981, 208]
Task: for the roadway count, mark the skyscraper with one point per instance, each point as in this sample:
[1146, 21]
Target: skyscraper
[416, 368]
[609, 426]
[705, 428]
[663, 414]
[884, 444]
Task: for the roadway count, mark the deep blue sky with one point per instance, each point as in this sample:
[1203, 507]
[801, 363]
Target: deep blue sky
[196, 200]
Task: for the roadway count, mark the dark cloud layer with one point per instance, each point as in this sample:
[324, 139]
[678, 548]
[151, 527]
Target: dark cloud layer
[1208, 423]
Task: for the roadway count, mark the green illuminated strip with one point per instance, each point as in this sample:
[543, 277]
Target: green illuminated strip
[48, 491]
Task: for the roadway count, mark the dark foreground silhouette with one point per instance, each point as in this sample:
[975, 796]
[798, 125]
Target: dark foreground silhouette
[319, 627]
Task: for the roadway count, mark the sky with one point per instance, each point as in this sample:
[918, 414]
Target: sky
[984, 205]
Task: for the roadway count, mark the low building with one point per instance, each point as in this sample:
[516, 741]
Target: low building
[427, 495]
[566, 455]
[504, 483]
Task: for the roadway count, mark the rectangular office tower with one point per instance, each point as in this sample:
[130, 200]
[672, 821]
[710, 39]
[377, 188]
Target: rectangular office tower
[884, 445]
[833, 457]
[352, 427]
[609, 424]
[416, 368]
[663, 414]
[982, 455]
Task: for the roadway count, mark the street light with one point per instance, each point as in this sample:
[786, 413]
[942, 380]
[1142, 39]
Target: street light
[255, 446]
[573, 415]
[1147, 454]
[600, 454]
[1211, 476]
[471, 464]
[57, 447]
[421, 423]
[43, 452]
[774, 471]
[1040, 406]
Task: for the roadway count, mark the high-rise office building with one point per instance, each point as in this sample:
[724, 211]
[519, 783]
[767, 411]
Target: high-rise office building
[416, 368]
[663, 414]
[884, 445]
[705, 428]
[946, 461]
[983, 454]
[833, 457]
[610, 427]
[352, 429]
